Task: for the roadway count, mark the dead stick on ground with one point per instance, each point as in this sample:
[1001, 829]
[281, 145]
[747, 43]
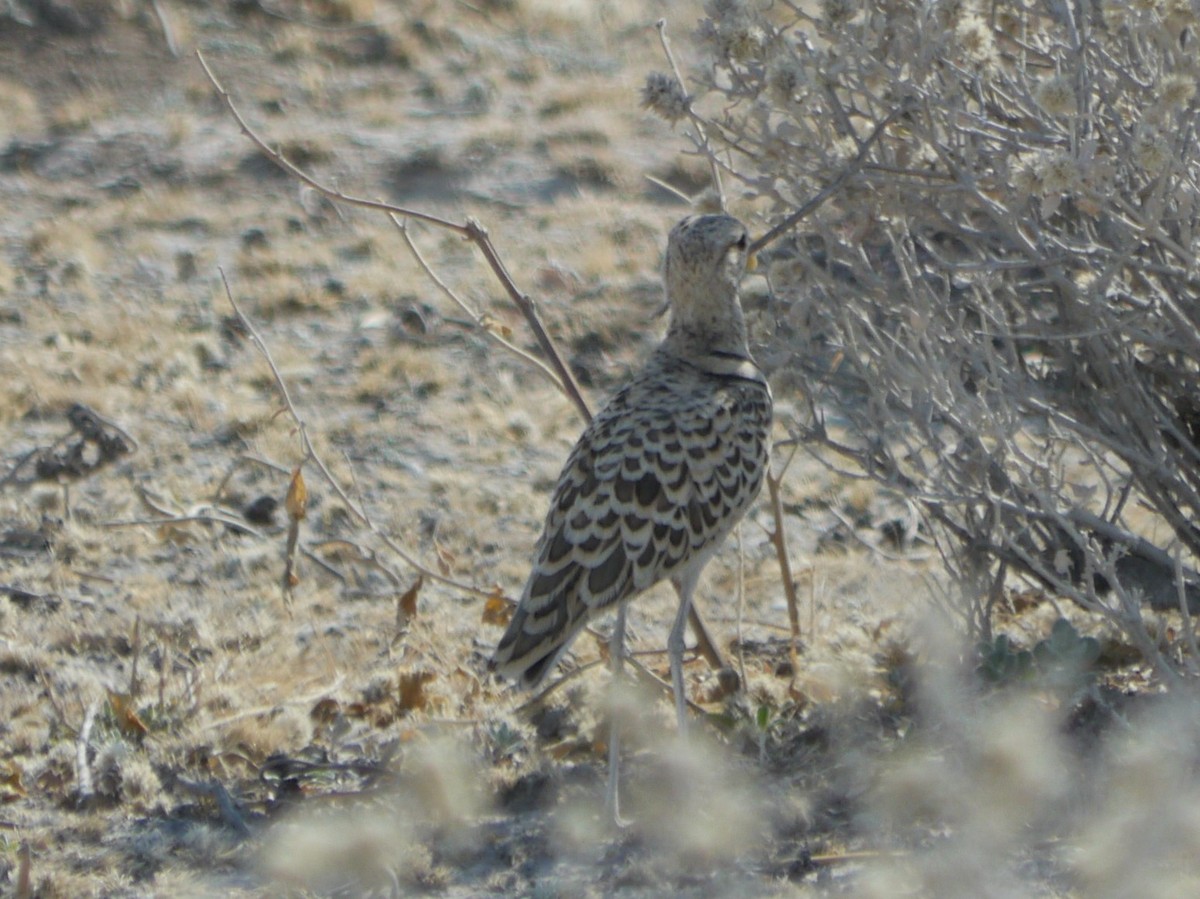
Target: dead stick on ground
[134, 683]
[227, 521]
[83, 771]
[300, 702]
[477, 234]
[24, 871]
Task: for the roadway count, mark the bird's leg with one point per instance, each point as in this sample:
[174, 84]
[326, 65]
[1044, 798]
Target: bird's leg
[675, 646]
[704, 642]
[617, 658]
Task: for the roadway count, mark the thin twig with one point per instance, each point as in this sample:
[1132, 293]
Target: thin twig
[779, 541]
[165, 24]
[366, 556]
[1189, 628]
[134, 684]
[851, 169]
[478, 234]
[217, 792]
[643, 672]
[479, 320]
[471, 229]
[200, 513]
[241, 460]
[852, 532]
[228, 522]
[280, 160]
[298, 702]
[705, 145]
[310, 452]
[24, 888]
[564, 679]
[741, 604]
[52, 698]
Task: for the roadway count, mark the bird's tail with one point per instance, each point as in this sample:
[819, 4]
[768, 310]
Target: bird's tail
[532, 646]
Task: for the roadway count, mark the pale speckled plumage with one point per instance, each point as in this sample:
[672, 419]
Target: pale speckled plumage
[667, 468]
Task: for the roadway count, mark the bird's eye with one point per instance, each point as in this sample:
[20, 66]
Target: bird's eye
[742, 242]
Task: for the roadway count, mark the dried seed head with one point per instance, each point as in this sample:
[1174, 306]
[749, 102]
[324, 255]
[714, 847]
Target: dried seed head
[1177, 91]
[663, 95]
[734, 29]
[838, 12]
[1058, 172]
[745, 42]
[1026, 177]
[785, 77]
[976, 39]
[727, 12]
[1151, 152]
[1056, 96]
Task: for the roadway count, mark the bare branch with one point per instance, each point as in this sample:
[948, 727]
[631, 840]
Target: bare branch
[471, 229]
[478, 319]
[355, 509]
[851, 169]
[701, 133]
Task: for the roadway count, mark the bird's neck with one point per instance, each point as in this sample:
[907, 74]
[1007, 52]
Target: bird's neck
[714, 324]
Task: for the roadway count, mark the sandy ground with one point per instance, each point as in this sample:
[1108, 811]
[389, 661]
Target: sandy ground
[169, 725]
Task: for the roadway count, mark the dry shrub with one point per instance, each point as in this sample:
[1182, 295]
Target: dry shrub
[994, 313]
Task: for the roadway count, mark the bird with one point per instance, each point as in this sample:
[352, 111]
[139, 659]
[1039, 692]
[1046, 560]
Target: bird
[660, 476]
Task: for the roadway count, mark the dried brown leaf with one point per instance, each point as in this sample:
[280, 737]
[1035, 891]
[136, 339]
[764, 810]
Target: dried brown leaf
[406, 609]
[497, 610]
[11, 788]
[412, 689]
[126, 716]
[297, 497]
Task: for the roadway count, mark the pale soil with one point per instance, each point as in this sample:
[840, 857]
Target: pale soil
[360, 754]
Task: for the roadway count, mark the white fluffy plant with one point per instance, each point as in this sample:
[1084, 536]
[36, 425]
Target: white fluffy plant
[992, 307]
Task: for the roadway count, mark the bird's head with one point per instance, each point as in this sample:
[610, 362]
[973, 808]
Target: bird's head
[707, 255]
